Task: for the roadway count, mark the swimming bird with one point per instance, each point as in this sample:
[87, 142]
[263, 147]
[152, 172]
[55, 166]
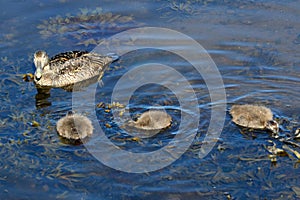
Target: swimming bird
[74, 127]
[69, 68]
[252, 116]
[152, 120]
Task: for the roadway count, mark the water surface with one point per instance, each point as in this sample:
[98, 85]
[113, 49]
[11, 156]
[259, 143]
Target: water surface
[255, 45]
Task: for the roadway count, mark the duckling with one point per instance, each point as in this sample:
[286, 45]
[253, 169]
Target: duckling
[69, 68]
[152, 120]
[74, 127]
[252, 116]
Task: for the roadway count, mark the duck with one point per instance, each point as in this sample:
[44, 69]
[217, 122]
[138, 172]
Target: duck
[254, 116]
[152, 120]
[74, 127]
[68, 68]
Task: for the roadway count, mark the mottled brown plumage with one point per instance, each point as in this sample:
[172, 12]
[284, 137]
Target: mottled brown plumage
[69, 68]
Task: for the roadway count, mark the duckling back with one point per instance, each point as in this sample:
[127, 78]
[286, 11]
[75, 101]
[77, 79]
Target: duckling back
[74, 127]
[251, 116]
[153, 120]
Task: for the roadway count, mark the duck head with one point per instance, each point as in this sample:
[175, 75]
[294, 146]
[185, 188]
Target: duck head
[273, 126]
[41, 60]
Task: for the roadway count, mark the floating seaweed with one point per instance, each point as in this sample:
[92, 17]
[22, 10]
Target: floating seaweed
[87, 27]
[34, 124]
[264, 56]
[107, 107]
[274, 150]
[3, 122]
[9, 32]
[11, 75]
[296, 153]
[254, 59]
[176, 10]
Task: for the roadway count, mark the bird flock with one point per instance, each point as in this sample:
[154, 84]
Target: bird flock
[69, 68]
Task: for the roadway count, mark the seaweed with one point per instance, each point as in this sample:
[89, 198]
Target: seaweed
[177, 10]
[87, 27]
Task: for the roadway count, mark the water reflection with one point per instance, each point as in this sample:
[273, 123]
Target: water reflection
[41, 98]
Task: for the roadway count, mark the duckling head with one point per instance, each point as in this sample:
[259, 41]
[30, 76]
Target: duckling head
[41, 60]
[273, 126]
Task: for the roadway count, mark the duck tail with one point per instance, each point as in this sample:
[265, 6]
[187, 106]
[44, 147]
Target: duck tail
[114, 56]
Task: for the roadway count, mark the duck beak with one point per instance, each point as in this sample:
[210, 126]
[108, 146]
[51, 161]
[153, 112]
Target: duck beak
[38, 72]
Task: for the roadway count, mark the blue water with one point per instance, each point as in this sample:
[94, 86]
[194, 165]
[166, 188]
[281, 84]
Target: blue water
[255, 46]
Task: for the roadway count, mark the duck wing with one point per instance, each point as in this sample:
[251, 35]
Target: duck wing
[58, 60]
[79, 62]
[63, 57]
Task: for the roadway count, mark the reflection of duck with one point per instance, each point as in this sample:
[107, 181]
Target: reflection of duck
[74, 127]
[68, 68]
[152, 120]
[251, 116]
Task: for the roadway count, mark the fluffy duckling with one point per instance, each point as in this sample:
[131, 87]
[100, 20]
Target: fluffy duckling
[74, 127]
[152, 120]
[252, 116]
[69, 68]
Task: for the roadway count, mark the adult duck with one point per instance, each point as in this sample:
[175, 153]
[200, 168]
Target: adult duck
[69, 68]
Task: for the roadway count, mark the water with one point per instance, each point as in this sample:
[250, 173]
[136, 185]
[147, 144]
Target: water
[255, 45]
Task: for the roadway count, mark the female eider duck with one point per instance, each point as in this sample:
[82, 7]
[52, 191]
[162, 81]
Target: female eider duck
[69, 68]
[74, 127]
[252, 116]
[152, 120]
